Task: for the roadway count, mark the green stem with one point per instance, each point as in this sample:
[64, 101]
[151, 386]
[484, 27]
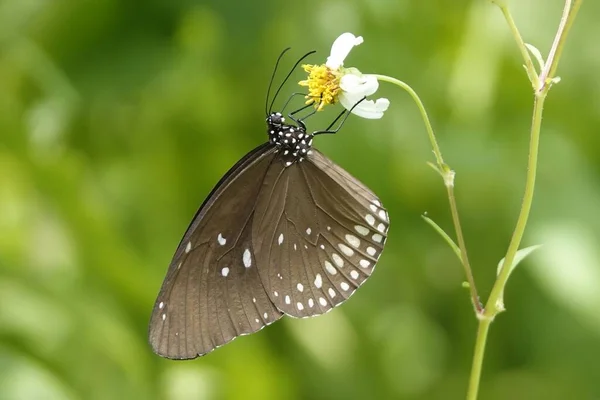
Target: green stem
[448, 176]
[569, 14]
[482, 332]
[531, 73]
[491, 306]
[436, 149]
[566, 23]
[541, 89]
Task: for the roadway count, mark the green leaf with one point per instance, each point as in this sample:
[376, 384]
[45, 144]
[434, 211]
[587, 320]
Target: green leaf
[536, 54]
[444, 235]
[519, 256]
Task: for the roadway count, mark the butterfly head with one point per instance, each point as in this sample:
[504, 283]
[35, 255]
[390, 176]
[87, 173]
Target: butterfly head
[292, 140]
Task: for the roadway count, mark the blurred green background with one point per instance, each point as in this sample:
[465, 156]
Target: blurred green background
[118, 117]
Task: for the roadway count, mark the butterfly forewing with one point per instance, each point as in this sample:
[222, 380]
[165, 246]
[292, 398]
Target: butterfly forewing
[320, 236]
[213, 292]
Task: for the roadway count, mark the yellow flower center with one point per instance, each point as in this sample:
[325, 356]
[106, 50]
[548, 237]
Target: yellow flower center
[323, 85]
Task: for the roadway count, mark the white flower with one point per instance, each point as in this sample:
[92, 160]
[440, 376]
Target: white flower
[341, 48]
[332, 82]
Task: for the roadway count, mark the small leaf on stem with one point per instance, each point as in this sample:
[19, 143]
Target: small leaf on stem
[519, 256]
[537, 54]
[444, 236]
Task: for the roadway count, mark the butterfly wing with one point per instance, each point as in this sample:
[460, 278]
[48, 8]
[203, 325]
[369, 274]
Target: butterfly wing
[318, 233]
[212, 292]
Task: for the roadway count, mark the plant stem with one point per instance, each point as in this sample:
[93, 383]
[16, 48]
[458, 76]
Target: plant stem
[569, 14]
[448, 176]
[566, 22]
[436, 149]
[531, 73]
[491, 306]
[541, 88]
[482, 332]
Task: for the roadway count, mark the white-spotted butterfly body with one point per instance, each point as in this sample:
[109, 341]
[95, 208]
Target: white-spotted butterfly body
[285, 231]
[292, 140]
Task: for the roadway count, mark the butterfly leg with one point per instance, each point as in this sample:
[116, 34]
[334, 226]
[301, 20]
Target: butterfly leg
[345, 114]
[300, 121]
[288, 102]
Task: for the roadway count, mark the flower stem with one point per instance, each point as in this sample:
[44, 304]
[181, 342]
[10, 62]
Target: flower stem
[531, 73]
[474, 379]
[436, 149]
[448, 176]
[540, 96]
[541, 88]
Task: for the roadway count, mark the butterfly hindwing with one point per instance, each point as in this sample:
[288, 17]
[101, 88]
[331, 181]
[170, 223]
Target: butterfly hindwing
[321, 232]
[213, 292]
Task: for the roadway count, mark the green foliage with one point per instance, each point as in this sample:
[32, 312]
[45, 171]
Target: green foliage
[117, 118]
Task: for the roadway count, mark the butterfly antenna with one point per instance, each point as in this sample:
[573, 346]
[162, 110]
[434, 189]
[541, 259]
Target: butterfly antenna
[287, 76]
[272, 78]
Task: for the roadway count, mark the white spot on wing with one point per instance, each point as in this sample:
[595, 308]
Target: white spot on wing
[280, 240]
[322, 301]
[353, 240]
[371, 251]
[344, 286]
[161, 305]
[300, 306]
[370, 219]
[354, 274]
[221, 240]
[337, 259]
[276, 294]
[311, 302]
[322, 247]
[361, 229]
[247, 258]
[331, 293]
[346, 250]
[383, 215]
[373, 207]
[164, 316]
[377, 237]
[318, 281]
[330, 268]
[225, 271]
[308, 231]
[300, 287]
[287, 300]
[188, 247]
[364, 263]
[381, 228]
[266, 315]
[377, 203]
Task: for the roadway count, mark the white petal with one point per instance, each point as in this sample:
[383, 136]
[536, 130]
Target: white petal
[365, 109]
[341, 48]
[359, 85]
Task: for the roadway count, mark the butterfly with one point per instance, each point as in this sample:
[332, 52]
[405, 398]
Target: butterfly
[285, 232]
